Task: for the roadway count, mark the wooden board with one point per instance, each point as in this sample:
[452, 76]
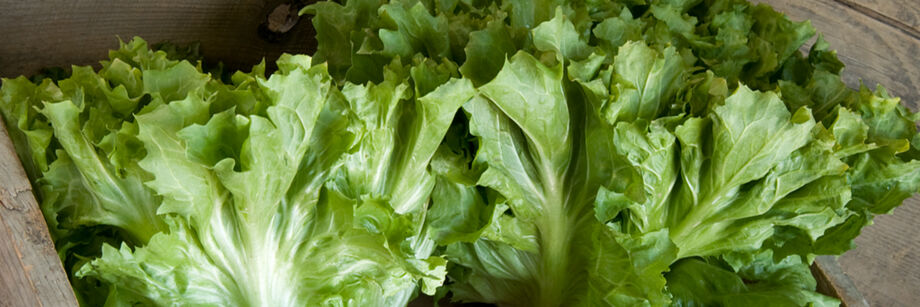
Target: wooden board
[30, 270]
[874, 51]
[834, 282]
[902, 14]
[876, 39]
[38, 34]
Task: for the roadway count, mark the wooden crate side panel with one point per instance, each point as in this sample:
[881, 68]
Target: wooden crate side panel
[38, 34]
[25, 242]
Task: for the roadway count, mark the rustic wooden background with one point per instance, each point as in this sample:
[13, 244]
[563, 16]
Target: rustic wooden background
[879, 40]
[38, 34]
[30, 271]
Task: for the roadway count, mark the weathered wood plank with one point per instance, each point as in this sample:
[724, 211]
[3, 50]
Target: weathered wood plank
[885, 265]
[15, 288]
[36, 277]
[874, 52]
[39, 34]
[902, 14]
[834, 282]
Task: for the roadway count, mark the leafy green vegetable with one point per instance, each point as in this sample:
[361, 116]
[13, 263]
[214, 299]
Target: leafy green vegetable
[626, 138]
[330, 222]
[695, 282]
[520, 153]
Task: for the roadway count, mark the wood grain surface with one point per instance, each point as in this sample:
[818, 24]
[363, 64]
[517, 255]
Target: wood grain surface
[874, 51]
[902, 14]
[879, 40]
[38, 34]
[30, 271]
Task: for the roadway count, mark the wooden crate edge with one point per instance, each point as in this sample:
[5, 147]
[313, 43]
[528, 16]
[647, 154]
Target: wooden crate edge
[29, 238]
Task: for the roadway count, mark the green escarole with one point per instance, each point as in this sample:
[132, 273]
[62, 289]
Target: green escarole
[518, 153]
[592, 210]
[268, 191]
[249, 243]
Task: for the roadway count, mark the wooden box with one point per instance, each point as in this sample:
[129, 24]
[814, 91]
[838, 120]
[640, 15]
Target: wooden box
[878, 40]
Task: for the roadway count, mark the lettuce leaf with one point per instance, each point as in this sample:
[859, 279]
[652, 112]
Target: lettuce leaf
[170, 159]
[761, 282]
[633, 152]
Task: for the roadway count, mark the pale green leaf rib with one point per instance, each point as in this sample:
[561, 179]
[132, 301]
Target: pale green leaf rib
[111, 192]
